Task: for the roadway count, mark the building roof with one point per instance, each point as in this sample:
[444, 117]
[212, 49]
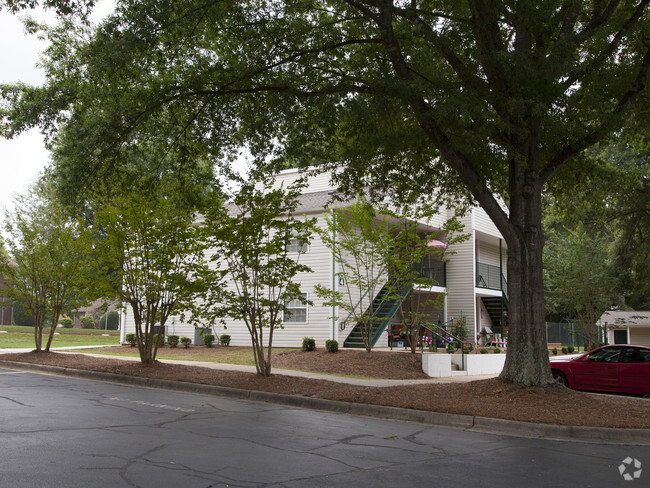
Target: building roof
[320, 200]
[626, 318]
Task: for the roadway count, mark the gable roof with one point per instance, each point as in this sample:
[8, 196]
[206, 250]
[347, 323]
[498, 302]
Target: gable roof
[626, 318]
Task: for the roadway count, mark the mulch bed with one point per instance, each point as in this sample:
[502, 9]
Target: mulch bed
[485, 398]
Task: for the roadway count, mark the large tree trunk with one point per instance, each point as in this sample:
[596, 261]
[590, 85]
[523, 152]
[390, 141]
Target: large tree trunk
[527, 357]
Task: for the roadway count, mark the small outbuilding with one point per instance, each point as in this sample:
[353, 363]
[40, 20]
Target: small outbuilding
[627, 327]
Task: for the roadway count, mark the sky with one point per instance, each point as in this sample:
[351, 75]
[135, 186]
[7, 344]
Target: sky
[23, 158]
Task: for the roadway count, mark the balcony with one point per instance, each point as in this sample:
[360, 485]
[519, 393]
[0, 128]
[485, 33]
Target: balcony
[433, 270]
[490, 277]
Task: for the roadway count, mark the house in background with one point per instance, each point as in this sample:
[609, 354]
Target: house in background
[626, 327]
[472, 280]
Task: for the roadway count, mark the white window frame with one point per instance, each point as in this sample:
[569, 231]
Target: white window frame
[302, 306]
[292, 247]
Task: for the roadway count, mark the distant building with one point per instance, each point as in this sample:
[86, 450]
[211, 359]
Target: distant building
[627, 327]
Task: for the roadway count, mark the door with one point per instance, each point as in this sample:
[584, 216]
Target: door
[620, 336]
[598, 371]
[634, 373]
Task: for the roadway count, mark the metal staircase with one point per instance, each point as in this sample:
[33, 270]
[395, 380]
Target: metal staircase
[384, 308]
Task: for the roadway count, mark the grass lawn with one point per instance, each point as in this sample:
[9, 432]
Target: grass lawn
[23, 337]
[227, 355]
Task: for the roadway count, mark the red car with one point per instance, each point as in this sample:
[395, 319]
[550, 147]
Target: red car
[621, 368]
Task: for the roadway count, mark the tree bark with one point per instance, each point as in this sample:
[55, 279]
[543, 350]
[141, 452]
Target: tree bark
[527, 358]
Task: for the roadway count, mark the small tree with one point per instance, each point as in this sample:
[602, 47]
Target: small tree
[153, 242]
[384, 250]
[580, 279]
[358, 238]
[250, 240]
[48, 266]
[412, 249]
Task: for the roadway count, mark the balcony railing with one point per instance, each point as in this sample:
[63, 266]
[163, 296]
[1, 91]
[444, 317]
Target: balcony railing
[435, 271]
[489, 276]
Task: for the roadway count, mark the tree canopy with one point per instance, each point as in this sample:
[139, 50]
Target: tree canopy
[480, 98]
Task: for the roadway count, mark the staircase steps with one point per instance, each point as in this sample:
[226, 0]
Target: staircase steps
[384, 309]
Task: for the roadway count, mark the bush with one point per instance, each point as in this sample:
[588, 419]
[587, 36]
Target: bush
[87, 322]
[497, 350]
[571, 349]
[66, 323]
[483, 350]
[332, 345]
[308, 344]
[208, 339]
[224, 339]
[186, 341]
[172, 340]
[433, 348]
[565, 350]
[451, 349]
[131, 339]
[159, 340]
[554, 351]
[113, 321]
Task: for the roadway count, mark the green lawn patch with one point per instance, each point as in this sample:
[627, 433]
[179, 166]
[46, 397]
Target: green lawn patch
[23, 337]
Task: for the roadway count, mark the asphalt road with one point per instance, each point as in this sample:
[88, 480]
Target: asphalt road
[65, 432]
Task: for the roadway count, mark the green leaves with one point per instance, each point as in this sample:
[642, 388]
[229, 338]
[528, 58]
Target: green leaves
[252, 269]
[385, 249]
[153, 241]
[48, 263]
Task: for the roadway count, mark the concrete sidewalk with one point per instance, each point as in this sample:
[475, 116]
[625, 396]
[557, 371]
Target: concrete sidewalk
[306, 374]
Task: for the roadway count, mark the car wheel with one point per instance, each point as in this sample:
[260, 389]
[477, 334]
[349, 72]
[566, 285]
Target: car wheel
[560, 378]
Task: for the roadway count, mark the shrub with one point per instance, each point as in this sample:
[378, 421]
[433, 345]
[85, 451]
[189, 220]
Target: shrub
[483, 350]
[565, 350]
[571, 349]
[131, 339]
[308, 344]
[497, 350]
[208, 339]
[332, 345]
[433, 348]
[224, 339]
[113, 321]
[66, 323]
[186, 341]
[172, 340]
[87, 322]
[554, 351]
[451, 349]
[159, 340]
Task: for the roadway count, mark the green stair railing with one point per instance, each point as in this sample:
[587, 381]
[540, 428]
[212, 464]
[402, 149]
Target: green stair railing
[384, 309]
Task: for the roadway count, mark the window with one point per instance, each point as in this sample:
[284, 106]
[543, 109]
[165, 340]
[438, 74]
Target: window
[605, 355]
[296, 312]
[636, 355]
[294, 246]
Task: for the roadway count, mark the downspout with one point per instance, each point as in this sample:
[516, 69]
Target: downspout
[333, 328]
[122, 327]
[503, 323]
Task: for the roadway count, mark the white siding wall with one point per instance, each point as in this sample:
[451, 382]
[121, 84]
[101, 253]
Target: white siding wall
[484, 320]
[487, 253]
[483, 223]
[460, 280]
[316, 183]
[639, 336]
